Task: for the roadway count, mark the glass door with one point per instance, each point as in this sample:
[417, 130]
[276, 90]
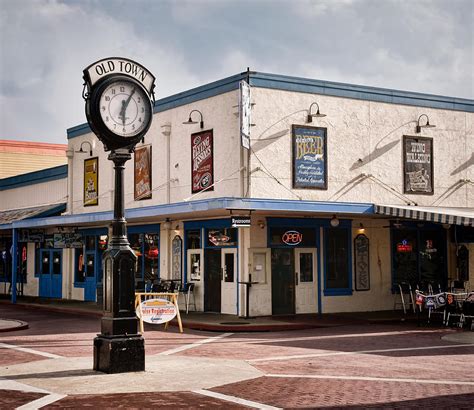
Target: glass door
[305, 272]
[228, 285]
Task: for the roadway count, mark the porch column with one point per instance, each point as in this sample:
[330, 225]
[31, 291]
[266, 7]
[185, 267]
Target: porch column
[14, 249]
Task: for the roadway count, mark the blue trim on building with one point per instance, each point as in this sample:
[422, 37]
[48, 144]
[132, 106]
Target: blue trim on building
[35, 177]
[242, 204]
[360, 92]
[303, 85]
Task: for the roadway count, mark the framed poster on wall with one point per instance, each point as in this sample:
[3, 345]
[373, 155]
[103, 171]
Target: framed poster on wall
[91, 181]
[417, 165]
[142, 173]
[309, 157]
[202, 161]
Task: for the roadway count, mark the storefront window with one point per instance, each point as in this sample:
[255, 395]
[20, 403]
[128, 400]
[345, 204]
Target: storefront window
[338, 274]
[193, 237]
[146, 248]
[419, 257]
[221, 237]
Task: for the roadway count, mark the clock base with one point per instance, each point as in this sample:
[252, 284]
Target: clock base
[119, 354]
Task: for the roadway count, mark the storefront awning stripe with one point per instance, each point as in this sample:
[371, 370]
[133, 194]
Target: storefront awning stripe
[452, 216]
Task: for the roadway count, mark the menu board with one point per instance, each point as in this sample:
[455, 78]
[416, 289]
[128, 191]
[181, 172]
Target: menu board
[202, 161]
[418, 165]
[309, 157]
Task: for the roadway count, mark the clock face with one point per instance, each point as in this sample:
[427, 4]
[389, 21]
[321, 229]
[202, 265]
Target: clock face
[124, 108]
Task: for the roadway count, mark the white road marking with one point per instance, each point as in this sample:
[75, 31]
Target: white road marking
[35, 404]
[378, 334]
[401, 349]
[234, 399]
[192, 345]
[32, 351]
[383, 379]
[43, 401]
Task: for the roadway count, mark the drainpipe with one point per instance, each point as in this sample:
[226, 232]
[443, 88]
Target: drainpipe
[166, 131]
[70, 156]
[14, 249]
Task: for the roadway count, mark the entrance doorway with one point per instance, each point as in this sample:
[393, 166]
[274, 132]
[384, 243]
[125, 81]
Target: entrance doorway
[293, 281]
[283, 281]
[220, 267]
[212, 280]
[50, 282]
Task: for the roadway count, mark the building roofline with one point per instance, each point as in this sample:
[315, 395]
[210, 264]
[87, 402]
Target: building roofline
[35, 177]
[304, 85]
[202, 205]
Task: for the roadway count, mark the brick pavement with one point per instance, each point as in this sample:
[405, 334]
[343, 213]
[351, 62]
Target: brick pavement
[347, 366]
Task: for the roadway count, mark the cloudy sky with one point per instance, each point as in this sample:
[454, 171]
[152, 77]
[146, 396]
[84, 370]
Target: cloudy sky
[415, 45]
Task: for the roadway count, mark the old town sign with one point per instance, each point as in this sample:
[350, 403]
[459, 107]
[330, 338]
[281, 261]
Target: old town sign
[119, 98]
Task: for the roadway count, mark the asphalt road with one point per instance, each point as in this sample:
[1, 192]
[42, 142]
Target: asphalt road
[397, 365]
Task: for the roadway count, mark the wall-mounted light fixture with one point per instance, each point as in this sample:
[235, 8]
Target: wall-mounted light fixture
[261, 224]
[81, 150]
[361, 228]
[190, 120]
[427, 125]
[316, 114]
[334, 221]
[167, 224]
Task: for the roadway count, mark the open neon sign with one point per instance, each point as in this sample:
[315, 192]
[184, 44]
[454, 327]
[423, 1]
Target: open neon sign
[292, 238]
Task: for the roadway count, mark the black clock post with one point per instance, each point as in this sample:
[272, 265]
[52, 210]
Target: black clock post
[119, 112]
[119, 348]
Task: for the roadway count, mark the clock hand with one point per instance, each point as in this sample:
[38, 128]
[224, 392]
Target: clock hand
[122, 112]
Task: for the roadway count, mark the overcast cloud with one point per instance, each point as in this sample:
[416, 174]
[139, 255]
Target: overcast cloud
[415, 45]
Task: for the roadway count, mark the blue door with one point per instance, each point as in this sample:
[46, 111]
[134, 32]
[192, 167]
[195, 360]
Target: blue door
[90, 283]
[51, 278]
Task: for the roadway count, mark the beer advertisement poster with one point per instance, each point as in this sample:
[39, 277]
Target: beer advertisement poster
[418, 165]
[309, 157]
[142, 173]
[91, 181]
[202, 161]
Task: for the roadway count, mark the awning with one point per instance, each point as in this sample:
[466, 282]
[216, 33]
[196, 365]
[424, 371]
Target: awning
[13, 215]
[452, 216]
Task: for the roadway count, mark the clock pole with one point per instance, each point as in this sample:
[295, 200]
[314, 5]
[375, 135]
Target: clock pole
[119, 348]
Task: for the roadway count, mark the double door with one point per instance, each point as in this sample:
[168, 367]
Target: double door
[294, 281]
[220, 274]
[51, 278]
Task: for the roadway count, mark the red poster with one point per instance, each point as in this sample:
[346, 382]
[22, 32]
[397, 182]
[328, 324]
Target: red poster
[202, 173]
[143, 172]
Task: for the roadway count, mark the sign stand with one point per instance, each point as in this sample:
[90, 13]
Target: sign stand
[172, 297]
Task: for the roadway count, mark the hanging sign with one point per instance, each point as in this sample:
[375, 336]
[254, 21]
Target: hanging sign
[68, 240]
[156, 311]
[142, 173]
[240, 221]
[91, 181]
[309, 157]
[245, 111]
[418, 165]
[202, 159]
[361, 263]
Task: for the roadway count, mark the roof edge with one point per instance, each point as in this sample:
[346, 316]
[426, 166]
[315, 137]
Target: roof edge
[35, 177]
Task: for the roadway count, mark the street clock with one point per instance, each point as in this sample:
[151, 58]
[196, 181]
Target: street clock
[119, 106]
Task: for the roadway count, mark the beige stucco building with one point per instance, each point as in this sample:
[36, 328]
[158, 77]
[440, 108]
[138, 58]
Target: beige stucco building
[343, 206]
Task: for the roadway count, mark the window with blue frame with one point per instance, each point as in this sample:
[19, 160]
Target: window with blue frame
[338, 274]
[88, 259]
[144, 241]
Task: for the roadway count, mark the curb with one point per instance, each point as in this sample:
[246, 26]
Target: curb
[15, 325]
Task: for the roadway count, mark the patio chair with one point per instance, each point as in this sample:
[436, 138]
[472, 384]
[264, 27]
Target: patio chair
[187, 290]
[404, 297]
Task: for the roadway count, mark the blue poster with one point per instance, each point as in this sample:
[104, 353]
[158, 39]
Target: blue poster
[309, 157]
